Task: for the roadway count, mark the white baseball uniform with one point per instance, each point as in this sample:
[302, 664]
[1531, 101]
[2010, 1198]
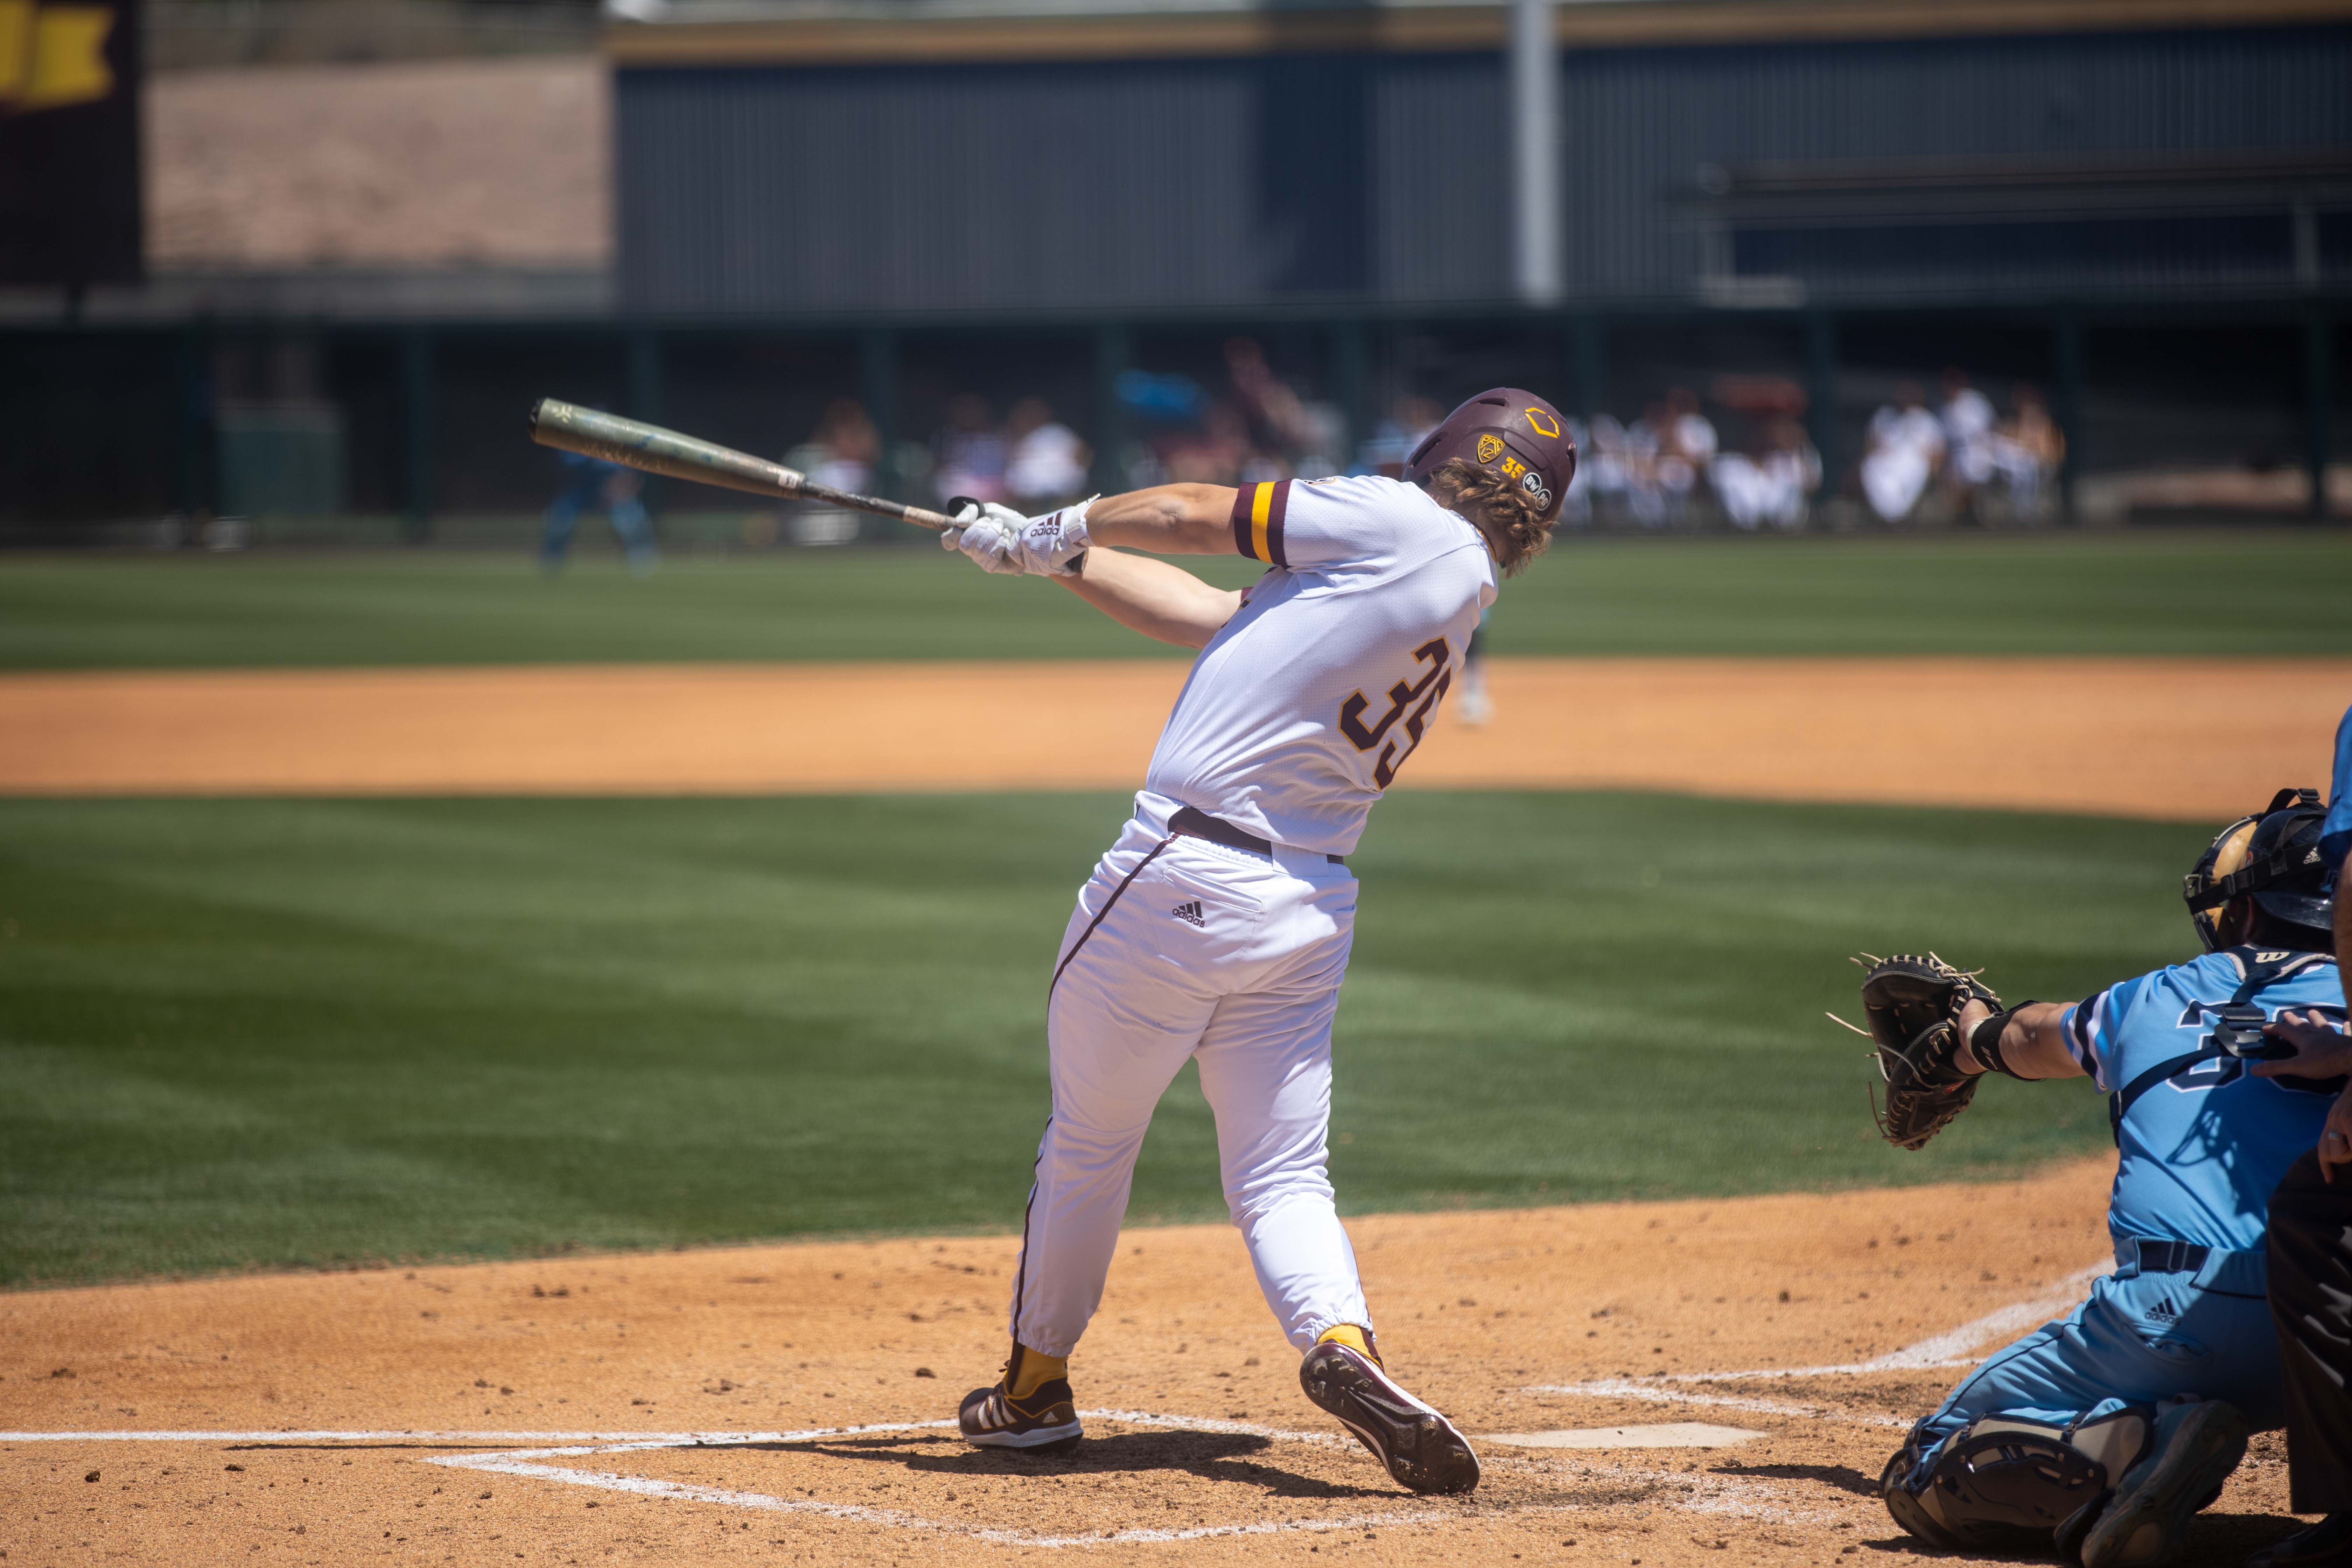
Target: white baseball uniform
[1296, 715]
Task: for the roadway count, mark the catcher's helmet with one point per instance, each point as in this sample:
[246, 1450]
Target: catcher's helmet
[2272, 857]
[1511, 430]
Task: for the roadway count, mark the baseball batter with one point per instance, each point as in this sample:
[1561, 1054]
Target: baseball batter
[1217, 928]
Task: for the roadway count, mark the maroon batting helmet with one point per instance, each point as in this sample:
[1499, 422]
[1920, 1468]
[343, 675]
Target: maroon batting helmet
[1512, 431]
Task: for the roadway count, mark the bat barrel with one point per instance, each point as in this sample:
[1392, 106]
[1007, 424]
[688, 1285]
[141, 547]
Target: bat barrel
[572, 428]
[567, 425]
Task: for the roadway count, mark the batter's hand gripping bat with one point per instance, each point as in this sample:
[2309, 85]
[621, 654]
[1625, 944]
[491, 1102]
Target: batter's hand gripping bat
[659, 451]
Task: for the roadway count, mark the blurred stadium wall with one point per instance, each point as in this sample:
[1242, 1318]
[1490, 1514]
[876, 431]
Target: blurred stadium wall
[740, 211]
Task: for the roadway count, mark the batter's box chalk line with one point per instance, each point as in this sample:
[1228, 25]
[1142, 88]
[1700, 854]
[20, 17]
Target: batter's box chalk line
[1694, 1493]
[1945, 1350]
[1713, 1495]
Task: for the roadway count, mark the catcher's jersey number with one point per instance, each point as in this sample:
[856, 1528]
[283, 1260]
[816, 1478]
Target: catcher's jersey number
[1428, 692]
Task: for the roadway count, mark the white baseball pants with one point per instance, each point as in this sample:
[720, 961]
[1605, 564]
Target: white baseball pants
[1181, 947]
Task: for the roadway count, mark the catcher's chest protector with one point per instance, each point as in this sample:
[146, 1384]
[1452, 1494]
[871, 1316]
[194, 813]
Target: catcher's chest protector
[2202, 1141]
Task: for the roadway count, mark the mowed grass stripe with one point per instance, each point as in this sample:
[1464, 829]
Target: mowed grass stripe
[274, 1033]
[2059, 593]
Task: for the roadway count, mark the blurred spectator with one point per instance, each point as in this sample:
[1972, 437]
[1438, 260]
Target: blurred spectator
[1686, 445]
[2027, 451]
[843, 448]
[1576, 507]
[1389, 446]
[1611, 464]
[1690, 435]
[1478, 703]
[843, 452]
[1046, 464]
[1905, 447]
[1966, 417]
[971, 453]
[1218, 453]
[1259, 428]
[1279, 425]
[592, 484]
[1772, 487]
[1651, 468]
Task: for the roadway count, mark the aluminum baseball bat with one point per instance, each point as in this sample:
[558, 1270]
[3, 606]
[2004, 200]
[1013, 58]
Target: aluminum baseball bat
[658, 451]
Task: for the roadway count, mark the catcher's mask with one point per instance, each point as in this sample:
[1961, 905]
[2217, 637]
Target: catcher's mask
[2273, 857]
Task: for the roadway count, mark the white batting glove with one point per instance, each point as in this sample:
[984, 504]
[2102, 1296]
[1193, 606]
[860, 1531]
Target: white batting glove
[984, 530]
[1045, 546]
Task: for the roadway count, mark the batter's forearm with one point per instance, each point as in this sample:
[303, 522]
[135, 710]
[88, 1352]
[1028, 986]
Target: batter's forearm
[1159, 600]
[1166, 519]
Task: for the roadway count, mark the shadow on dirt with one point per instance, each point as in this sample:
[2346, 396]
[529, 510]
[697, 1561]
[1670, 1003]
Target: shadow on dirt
[1844, 1478]
[2219, 1538]
[1228, 1458]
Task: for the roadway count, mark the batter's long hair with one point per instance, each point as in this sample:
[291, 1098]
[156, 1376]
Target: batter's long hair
[1504, 514]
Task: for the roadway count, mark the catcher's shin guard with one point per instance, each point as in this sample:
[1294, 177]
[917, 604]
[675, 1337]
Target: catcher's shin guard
[2003, 1483]
[2195, 1447]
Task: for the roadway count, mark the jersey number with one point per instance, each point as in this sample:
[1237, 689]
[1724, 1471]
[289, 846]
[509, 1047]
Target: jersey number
[1427, 691]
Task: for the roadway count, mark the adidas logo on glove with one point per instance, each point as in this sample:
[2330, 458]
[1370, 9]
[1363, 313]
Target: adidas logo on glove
[1190, 913]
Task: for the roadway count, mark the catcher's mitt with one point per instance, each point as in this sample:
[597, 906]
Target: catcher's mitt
[1913, 1006]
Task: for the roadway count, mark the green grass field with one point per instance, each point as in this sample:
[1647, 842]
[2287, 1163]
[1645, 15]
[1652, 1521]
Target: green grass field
[2243, 592]
[242, 1033]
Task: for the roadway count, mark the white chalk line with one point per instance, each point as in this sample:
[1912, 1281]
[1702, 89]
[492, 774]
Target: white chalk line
[1707, 1495]
[1942, 1351]
[1699, 1495]
[1651, 1394]
[427, 1435]
[517, 1464]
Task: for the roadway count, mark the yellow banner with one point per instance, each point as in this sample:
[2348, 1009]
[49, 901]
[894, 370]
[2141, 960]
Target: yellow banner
[53, 56]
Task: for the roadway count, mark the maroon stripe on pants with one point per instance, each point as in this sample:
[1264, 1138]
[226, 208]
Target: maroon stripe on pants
[1119, 893]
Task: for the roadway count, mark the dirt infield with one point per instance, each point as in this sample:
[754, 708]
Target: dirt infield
[548, 1411]
[2156, 738]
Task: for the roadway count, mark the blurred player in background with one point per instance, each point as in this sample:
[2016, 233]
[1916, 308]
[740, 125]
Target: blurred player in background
[1966, 417]
[1218, 928]
[1906, 448]
[1046, 462]
[970, 453]
[1477, 702]
[1773, 487]
[2102, 1435]
[844, 451]
[2028, 449]
[592, 484]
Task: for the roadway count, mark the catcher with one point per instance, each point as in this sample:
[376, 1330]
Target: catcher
[2101, 1434]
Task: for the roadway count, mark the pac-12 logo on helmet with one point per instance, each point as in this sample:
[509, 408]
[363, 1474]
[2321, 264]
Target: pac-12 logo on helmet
[1512, 431]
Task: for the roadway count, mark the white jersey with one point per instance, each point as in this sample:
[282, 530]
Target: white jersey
[1300, 711]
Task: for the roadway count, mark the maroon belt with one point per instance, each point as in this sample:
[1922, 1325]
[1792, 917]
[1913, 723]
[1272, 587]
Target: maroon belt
[1190, 824]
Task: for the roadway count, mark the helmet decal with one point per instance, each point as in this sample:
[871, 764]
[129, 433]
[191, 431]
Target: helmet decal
[1514, 435]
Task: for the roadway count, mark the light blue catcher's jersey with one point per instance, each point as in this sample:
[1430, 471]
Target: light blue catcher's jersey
[2203, 1140]
[2336, 833]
